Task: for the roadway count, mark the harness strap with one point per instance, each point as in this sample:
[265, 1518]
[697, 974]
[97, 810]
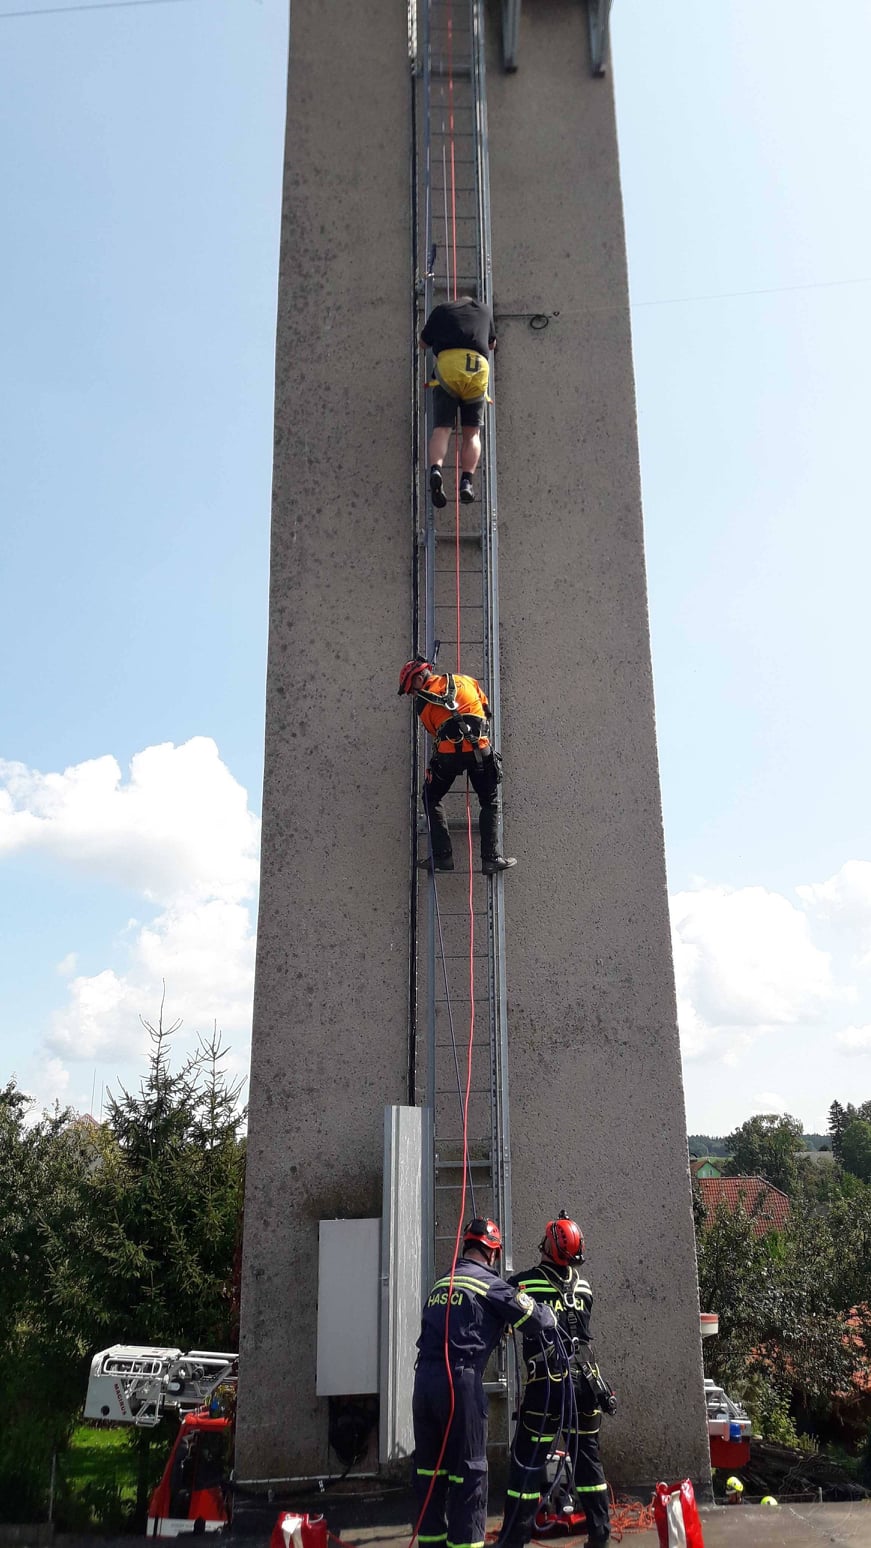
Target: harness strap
[447, 700]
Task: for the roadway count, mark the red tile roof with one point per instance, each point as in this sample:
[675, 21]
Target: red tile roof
[768, 1206]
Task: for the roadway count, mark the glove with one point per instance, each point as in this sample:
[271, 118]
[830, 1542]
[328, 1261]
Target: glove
[552, 1321]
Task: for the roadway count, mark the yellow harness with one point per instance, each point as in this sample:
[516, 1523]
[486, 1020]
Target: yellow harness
[463, 374]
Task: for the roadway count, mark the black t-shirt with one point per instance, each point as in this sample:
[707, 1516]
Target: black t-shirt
[463, 324]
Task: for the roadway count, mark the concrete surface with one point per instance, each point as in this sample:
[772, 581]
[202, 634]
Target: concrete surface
[748, 1526]
[329, 1038]
[789, 1526]
[597, 1111]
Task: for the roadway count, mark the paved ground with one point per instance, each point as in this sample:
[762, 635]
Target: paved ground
[745, 1526]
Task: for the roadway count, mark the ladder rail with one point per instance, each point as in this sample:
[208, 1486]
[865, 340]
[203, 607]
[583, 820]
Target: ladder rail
[451, 146]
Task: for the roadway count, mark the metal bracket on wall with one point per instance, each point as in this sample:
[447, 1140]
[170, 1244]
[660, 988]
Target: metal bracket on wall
[598, 12]
[510, 33]
[597, 19]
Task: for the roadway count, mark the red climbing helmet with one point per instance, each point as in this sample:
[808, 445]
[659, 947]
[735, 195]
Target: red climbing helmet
[410, 671]
[485, 1232]
[563, 1241]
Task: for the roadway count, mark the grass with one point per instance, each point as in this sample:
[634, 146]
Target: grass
[97, 1477]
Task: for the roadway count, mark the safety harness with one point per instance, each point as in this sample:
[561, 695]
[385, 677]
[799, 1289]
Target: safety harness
[457, 728]
[576, 1336]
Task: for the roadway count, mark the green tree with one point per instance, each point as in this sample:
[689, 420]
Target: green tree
[171, 1186]
[44, 1210]
[785, 1330]
[767, 1145]
[122, 1232]
[838, 1121]
[856, 1148]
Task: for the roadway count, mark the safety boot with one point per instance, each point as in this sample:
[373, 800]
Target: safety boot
[467, 490]
[497, 864]
[435, 864]
[436, 489]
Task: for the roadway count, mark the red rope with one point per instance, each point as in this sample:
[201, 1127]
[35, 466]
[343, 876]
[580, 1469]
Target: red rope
[467, 1094]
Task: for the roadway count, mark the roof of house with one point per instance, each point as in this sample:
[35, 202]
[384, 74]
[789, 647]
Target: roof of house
[768, 1206]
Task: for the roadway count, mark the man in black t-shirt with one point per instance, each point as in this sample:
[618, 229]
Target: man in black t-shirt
[461, 336]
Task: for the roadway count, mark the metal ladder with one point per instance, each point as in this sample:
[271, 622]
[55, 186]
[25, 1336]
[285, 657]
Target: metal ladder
[450, 196]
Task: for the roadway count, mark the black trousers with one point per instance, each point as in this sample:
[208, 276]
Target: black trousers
[484, 774]
[541, 1421]
[456, 1516]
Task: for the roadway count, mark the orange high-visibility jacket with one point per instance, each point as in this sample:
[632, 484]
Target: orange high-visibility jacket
[471, 700]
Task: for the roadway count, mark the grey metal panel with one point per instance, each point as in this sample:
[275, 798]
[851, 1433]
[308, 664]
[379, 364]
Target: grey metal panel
[349, 1253]
[407, 1142]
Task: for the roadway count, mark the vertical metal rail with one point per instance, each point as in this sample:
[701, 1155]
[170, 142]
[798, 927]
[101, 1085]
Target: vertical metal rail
[452, 217]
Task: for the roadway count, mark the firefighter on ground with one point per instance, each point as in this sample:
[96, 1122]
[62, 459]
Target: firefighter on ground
[461, 335]
[547, 1408]
[455, 712]
[482, 1307]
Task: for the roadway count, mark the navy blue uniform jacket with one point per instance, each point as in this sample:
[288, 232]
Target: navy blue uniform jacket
[482, 1305]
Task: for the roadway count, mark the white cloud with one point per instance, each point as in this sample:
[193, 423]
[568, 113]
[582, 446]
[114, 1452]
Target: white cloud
[179, 828]
[179, 833]
[768, 1102]
[845, 902]
[745, 963]
[854, 1040]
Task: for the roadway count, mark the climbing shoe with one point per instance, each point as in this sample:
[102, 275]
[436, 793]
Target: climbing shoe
[435, 865]
[467, 493]
[499, 863]
[436, 489]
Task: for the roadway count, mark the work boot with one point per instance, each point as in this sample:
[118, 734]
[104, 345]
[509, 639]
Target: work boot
[497, 864]
[435, 864]
[436, 489]
[467, 492]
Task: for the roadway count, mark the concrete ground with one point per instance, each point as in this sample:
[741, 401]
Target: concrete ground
[724, 1527]
[746, 1526]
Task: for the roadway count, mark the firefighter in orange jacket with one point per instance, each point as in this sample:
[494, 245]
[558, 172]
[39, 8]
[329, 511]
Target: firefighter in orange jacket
[455, 712]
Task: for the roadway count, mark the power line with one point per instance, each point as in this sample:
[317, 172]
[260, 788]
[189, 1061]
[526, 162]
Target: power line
[771, 290]
[88, 5]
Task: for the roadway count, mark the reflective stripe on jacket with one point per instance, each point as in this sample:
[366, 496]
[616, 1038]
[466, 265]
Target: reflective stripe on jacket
[481, 1306]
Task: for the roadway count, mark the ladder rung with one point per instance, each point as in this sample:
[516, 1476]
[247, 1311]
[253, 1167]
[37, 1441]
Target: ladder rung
[452, 1091]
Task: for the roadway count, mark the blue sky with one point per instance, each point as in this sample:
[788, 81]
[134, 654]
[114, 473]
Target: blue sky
[141, 182]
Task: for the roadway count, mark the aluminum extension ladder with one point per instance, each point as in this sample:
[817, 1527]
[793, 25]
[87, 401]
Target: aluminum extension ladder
[452, 255]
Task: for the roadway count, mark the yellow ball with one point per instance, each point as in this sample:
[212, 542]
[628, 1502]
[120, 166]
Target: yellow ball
[768, 1499]
[734, 1485]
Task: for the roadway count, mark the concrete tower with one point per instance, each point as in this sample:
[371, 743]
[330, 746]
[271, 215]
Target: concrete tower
[596, 1101]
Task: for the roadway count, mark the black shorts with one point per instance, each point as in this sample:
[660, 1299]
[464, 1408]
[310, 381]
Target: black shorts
[444, 409]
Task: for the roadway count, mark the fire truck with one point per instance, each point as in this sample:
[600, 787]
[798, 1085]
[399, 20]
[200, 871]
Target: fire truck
[138, 1385]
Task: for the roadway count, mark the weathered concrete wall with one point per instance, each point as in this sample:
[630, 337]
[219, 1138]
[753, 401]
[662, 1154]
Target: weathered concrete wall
[592, 1028]
[332, 957]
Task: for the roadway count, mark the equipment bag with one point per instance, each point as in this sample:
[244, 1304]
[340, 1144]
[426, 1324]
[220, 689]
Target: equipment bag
[676, 1515]
[463, 373]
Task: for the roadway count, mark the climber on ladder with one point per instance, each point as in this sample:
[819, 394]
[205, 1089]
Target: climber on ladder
[454, 710]
[461, 336]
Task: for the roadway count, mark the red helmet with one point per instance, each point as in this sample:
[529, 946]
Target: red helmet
[563, 1241]
[485, 1232]
[410, 671]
